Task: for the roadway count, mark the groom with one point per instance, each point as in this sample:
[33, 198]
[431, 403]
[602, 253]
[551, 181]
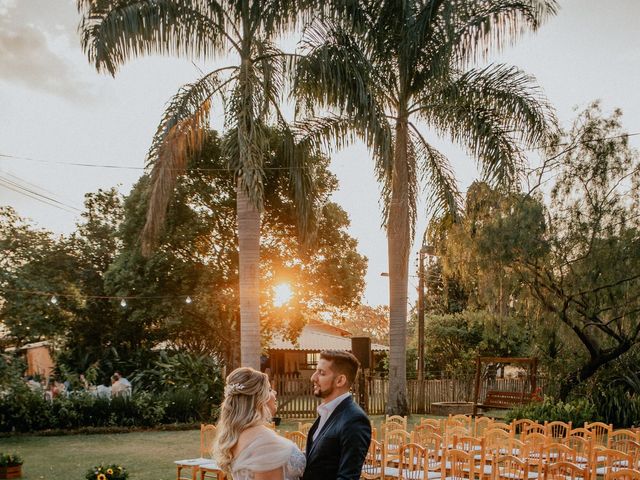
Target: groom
[339, 439]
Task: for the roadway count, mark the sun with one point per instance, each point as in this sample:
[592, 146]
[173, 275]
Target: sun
[282, 294]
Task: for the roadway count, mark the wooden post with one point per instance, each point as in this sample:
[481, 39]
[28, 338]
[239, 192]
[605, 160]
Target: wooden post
[476, 389]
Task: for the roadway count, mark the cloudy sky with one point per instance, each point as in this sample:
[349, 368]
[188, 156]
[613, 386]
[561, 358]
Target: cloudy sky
[56, 110]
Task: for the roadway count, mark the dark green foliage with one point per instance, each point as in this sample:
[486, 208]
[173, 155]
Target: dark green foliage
[577, 411]
[454, 341]
[30, 412]
[10, 460]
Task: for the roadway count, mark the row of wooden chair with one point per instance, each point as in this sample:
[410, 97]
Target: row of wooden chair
[535, 447]
[416, 462]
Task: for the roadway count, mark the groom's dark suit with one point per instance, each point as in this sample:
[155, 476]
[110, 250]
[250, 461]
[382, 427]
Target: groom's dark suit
[341, 446]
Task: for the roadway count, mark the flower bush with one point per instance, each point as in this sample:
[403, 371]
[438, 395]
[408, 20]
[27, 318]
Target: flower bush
[9, 460]
[107, 472]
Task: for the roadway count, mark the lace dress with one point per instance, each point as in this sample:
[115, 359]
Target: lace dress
[266, 452]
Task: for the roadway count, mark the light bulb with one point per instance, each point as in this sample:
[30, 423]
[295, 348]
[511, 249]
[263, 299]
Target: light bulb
[123, 303]
[54, 300]
[188, 300]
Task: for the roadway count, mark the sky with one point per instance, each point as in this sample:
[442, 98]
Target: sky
[56, 109]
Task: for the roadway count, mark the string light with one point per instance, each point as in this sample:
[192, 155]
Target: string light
[123, 303]
[53, 298]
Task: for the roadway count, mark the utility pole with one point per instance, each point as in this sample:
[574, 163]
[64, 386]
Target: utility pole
[421, 255]
[426, 250]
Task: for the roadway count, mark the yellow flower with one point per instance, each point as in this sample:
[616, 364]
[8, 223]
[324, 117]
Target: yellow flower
[102, 476]
[109, 471]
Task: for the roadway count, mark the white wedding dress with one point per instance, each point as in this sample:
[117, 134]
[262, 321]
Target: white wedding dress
[268, 451]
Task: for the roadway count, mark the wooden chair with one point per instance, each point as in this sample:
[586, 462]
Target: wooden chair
[623, 474]
[458, 465]
[607, 460]
[457, 421]
[621, 434]
[304, 427]
[449, 433]
[211, 471]
[373, 467]
[434, 422]
[558, 452]
[299, 438]
[476, 448]
[503, 426]
[497, 441]
[557, 430]
[421, 432]
[600, 430]
[630, 447]
[534, 427]
[393, 442]
[413, 460]
[565, 471]
[435, 453]
[190, 466]
[519, 427]
[583, 446]
[482, 424]
[462, 420]
[395, 422]
[509, 467]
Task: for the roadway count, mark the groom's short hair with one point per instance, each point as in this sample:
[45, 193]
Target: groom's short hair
[342, 362]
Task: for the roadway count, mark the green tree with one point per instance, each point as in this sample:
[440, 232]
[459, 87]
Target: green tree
[33, 266]
[405, 65]
[197, 258]
[573, 265]
[113, 32]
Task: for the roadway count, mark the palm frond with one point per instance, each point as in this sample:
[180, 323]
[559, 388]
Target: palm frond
[494, 112]
[179, 135]
[443, 196]
[112, 32]
[246, 141]
[336, 74]
[481, 26]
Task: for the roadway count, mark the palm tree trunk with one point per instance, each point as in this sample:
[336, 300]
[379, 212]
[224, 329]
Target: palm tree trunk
[249, 257]
[398, 242]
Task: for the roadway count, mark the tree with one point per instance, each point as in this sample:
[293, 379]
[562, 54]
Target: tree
[113, 32]
[33, 263]
[196, 257]
[406, 63]
[573, 265]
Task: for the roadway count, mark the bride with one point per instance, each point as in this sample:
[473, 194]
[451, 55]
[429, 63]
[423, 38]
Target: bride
[245, 447]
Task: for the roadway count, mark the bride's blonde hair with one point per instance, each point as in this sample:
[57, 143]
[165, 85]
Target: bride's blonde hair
[246, 395]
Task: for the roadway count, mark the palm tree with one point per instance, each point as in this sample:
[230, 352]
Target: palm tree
[115, 31]
[405, 66]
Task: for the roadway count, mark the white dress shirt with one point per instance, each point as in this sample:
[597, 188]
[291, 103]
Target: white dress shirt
[326, 409]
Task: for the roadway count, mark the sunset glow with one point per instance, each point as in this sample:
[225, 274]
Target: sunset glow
[282, 294]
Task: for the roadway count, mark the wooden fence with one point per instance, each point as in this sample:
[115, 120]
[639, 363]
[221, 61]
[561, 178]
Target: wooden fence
[296, 399]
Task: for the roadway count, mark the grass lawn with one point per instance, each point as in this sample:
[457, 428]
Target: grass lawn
[147, 455]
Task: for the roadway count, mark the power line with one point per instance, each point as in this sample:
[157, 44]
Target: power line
[21, 189]
[226, 169]
[128, 167]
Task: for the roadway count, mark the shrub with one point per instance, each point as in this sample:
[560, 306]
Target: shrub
[10, 460]
[577, 411]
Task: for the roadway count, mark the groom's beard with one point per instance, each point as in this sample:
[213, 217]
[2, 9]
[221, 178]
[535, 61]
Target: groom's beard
[318, 392]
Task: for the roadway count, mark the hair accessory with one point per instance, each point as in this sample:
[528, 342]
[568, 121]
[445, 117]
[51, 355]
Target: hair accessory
[233, 389]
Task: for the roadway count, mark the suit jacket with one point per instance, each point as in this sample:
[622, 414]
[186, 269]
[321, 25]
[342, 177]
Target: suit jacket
[340, 449]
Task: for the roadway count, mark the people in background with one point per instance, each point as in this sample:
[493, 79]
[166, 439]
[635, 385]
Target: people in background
[120, 386]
